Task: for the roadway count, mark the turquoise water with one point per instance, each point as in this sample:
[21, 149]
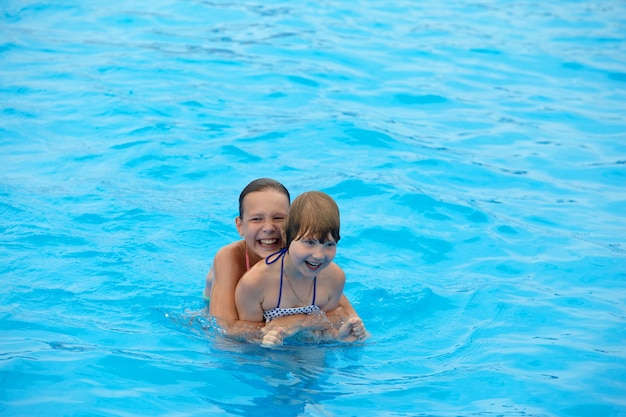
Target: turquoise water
[477, 151]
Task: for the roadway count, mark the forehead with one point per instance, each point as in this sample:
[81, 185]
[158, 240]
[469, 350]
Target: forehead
[320, 236]
[265, 201]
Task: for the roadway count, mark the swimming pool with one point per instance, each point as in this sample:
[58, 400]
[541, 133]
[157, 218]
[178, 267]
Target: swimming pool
[477, 151]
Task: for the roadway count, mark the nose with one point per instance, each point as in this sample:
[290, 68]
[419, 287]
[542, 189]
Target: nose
[269, 225]
[318, 252]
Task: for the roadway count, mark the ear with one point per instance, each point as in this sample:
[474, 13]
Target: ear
[239, 225]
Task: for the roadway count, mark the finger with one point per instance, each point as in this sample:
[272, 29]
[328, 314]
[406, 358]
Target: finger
[272, 342]
[268, 341]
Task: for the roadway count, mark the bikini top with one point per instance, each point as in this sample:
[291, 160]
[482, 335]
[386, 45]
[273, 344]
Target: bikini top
[276, 312]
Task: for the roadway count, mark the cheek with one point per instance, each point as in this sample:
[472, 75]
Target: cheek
[292, 248]
[250, 230]
[299, 251]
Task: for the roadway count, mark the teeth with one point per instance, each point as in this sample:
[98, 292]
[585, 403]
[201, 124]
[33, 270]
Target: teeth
[268, 241]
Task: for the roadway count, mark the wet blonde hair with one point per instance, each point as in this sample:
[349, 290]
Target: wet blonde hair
[313, 214]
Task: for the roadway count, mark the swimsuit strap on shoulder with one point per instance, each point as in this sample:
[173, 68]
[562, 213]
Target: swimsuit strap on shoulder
[270, 260]
[280, 289]
[275, 256]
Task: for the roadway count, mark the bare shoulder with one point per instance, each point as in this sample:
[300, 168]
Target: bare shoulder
[256, 275]
[335, 273]
[252, 285]
[231, 257]
[229, 265]
[330, 283]
[233, 252]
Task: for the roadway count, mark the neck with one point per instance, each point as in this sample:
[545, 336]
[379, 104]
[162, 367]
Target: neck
[250, 258]
[254, 258]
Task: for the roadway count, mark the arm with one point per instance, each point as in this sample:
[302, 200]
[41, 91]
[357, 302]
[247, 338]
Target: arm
[306, 322]
[226, 273]
[249, 297]
[348, 326]
[336, 325]
[352, 330]
[296, 323]
[342, 312]
[208, 282]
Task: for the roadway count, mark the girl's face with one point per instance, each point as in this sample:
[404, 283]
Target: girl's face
[263, 215]
[310, 256]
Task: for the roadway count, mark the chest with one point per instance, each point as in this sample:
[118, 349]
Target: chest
[293, 295]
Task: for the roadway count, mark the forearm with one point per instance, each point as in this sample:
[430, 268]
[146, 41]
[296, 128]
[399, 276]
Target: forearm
[299, 322]
[248, 331]
[283, 327]
[319, 326]
[346, 308]
[312, 322]
[352, 330]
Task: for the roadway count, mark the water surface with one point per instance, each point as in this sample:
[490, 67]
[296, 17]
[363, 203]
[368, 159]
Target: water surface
[477, 151]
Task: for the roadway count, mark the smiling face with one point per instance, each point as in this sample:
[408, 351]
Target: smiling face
[262, 219]
[310, 256]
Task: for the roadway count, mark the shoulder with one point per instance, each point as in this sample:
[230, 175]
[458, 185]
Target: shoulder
[335, 273]
[338, 277]
[232, 255]
[332, 278]
[252, 285]
[330, 284]
[256, 275]
[231, 251]
[229, 264]
[260, 279]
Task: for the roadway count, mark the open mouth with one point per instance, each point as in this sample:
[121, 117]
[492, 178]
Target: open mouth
[268, 242]
[313, 265]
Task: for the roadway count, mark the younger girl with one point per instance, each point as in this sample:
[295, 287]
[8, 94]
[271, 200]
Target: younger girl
[302, 277]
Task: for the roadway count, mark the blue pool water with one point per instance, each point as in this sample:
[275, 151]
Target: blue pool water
[477, 151]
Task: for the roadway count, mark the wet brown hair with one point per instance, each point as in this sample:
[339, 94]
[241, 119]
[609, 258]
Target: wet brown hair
[313, 214]
[261, 184]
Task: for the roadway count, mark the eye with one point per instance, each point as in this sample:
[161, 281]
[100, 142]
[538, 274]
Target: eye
[330, 244]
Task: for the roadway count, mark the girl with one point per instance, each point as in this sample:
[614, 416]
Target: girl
[301, 278]
[263, 206]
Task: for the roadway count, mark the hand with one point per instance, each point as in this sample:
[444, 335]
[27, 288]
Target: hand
[358, 330]
[351, 330]
[273, 338]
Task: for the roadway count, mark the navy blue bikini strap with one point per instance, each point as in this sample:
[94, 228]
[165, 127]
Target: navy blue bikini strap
[314, 285]
[280, 289]
[275, 256]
